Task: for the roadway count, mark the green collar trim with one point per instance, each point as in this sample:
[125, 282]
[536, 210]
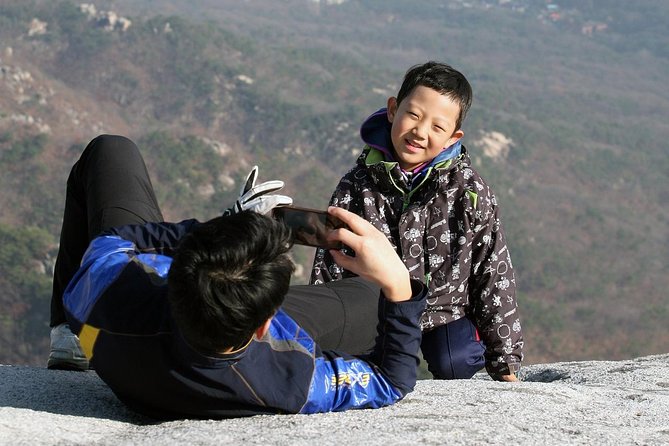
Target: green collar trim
[375, 156]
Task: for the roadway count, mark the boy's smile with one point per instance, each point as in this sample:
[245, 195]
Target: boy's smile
[423, 124]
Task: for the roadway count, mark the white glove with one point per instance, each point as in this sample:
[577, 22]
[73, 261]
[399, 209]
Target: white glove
[258, 198]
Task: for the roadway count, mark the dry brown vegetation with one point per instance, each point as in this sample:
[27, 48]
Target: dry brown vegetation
[285, 85]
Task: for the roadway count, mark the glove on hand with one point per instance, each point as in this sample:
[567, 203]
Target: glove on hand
[258, 198]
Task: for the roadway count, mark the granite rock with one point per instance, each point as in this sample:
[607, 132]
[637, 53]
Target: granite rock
[585, 402]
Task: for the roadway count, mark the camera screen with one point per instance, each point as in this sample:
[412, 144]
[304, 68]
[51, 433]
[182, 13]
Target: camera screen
[309, 227]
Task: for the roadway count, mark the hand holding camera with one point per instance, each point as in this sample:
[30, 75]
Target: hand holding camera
[375, 258]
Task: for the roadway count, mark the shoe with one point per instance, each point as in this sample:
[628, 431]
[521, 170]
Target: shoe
[66, 353]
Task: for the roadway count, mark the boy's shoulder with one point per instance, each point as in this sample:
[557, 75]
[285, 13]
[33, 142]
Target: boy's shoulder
[356, 173]
[461, 170]
[359, 170]
[463, 181]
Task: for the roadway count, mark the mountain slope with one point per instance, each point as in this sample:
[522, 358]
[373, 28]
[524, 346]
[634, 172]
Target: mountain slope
[566, 124]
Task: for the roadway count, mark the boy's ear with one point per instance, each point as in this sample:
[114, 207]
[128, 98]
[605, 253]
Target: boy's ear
[457, 135]
[392, 108]
[263, 329]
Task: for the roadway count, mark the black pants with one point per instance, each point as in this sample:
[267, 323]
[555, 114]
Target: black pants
[109, 186]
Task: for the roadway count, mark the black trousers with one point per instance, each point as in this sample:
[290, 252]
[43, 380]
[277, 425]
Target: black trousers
[109, 186]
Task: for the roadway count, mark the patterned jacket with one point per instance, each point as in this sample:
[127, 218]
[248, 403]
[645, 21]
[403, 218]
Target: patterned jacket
[446, 227]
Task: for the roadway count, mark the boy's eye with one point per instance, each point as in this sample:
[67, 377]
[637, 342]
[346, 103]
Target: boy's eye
[412, 114]
[438, 128]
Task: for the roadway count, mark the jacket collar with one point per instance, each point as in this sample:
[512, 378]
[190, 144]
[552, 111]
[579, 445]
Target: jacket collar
[383, 171]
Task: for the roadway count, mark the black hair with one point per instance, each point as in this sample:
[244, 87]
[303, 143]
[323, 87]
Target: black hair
[442, 78]
[229, 275]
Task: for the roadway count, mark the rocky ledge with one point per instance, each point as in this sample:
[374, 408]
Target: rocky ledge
[586, 402]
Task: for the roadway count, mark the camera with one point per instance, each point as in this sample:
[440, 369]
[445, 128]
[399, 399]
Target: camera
[309, 227]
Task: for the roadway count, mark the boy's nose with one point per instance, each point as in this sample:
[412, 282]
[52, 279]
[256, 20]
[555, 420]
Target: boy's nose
[420, 130]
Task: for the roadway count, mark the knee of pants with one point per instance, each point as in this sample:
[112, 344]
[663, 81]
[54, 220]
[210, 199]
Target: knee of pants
[453, 351]
[463, 367]
[111, 148]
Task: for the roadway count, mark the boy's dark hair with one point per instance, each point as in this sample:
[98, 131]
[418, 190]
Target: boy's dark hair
[228, 276]
[442, 78]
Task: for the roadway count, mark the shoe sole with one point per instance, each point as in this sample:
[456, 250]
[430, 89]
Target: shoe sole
[60, 365]
[68, 363]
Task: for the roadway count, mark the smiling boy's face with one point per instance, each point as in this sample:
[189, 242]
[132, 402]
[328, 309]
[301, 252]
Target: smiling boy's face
[423, 124]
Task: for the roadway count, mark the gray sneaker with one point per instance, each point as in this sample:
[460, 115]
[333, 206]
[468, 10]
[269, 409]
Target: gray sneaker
[66, 353]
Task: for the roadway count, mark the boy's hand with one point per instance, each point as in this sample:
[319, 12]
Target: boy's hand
[503, 372]
[509, 378]
[375, 258]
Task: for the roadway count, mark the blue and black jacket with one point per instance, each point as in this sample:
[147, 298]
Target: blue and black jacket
[117, 304]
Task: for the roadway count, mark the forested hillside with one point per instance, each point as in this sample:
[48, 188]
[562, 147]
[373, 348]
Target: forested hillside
[569, 125]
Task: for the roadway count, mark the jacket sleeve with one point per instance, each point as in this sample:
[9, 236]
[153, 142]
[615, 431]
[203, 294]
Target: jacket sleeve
[343, 382]
[108, 255]
[493, 292]
[105, 260]
[325, 269]
[159, 238]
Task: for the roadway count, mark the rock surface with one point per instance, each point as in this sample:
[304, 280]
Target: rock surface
[589, 402]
